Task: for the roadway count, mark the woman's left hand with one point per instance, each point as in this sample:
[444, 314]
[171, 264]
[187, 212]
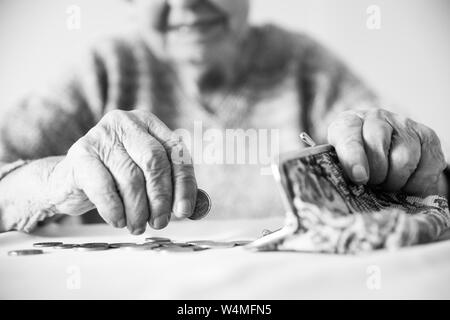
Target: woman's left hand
[381, 148]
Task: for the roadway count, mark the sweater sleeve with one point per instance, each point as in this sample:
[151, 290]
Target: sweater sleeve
[47, 122]
[328, 87]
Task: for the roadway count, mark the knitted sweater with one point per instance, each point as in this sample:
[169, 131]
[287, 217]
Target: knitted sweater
[290, 84]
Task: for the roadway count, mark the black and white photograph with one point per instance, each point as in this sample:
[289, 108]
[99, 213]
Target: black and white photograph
[223, 155]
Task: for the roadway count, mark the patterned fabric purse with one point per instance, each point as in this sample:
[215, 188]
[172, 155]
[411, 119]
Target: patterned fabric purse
[328, 213]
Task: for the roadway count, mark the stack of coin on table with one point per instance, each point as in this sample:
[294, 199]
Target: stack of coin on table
[201, 209]
[158, 244]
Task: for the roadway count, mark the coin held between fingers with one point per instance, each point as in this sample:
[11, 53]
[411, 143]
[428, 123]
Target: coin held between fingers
[26, 252]
[202, 205]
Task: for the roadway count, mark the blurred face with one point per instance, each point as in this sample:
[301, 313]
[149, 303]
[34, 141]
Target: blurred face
[193, 31]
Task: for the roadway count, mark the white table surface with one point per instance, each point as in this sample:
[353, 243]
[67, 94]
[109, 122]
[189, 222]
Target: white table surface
[416, 272]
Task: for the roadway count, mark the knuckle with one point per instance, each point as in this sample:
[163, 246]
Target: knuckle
[351, 143]
[380, 114]
[350, 112]
[82, 147]
[407, 158]
[107, 194]
[174, 142]
[431, 142]
[160, 199]
[102, 135]
[146, 117]
[382, 144]
[155, 161]
[377, 127]
[334, 129]
[135, 181]
[186, 177]
[159, 181]
[157, 164]
[343, 127]
[141, 113]
[114, 116]
[349, 118]
[439, 157]
[377, 133]
[135, 173]
[408, 125]
[181, 157]
[429, 136]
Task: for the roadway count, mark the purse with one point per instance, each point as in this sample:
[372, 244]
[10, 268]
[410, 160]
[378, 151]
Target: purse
[326, 212]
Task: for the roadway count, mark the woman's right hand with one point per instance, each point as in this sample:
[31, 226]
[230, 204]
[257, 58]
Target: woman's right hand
[132, 168]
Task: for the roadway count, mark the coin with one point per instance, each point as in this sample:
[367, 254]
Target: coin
[26, 252]
[157, 239]
[241, 242]
[212, 244]
[202, 205]
[95, 246]
[140, 247]
[175, 249]
[46, 244]
[121, 244]
[199, 248]
[66, 246]
[166, 244]
[177, 244]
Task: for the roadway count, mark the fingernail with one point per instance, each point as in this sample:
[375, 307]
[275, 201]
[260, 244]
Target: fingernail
[138, 231]
[359, 174]
[184, 207]
[160, 222]
[122, 223]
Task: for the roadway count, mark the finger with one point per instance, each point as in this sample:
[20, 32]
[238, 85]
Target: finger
[185, 190]
[424, 180]
[97, 183]
[185, 184]
[404, 157]
[130, 182]
[377, 134]
[151, 158]
[345, 134]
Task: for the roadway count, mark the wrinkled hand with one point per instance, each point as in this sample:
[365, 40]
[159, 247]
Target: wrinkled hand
[381, 148]
[128, 167]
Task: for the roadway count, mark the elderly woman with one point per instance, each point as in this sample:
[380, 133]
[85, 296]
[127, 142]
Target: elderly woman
[103, 137]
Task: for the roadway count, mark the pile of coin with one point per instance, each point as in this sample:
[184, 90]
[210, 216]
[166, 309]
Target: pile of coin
[158, 244]
[201, 209]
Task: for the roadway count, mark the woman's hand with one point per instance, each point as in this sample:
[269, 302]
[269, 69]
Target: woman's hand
[129, 167]
[381, 148]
